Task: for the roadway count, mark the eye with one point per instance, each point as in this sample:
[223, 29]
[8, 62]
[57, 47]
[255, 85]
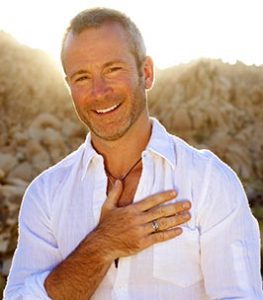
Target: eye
[113, 69]
[81, 78]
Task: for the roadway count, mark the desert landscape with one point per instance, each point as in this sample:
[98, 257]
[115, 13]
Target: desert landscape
[209, 103]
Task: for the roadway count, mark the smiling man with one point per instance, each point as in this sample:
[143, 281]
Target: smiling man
[134, 213]
[107, 86]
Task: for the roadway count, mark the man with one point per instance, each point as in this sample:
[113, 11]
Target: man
[104, 222]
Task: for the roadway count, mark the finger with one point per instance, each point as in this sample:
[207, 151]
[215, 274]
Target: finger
[162, 236]
[114, 195]
[167, 210]
[155, 200]
[169, 222]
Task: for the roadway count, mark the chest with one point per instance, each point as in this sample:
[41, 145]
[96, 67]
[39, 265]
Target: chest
[130, 185]
[78, 203]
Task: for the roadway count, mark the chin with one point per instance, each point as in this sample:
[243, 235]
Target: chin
[113, 136]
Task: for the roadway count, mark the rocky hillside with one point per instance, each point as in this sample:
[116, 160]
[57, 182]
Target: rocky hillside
[217, 106]
[210, 104]
[38, 127]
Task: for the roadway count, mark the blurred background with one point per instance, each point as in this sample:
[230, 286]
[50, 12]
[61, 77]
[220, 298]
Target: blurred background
[208, 89]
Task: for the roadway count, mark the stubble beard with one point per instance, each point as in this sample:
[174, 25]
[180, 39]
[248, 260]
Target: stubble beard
[138, 105]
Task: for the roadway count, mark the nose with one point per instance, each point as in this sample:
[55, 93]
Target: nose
[99, 87]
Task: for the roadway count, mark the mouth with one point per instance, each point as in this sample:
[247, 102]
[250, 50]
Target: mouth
[107, 110]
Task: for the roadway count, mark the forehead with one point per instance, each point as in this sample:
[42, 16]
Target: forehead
[109, 41]
[114, 30]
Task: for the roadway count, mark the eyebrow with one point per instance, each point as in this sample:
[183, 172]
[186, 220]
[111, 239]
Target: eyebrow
[106, 65]
[110, 63]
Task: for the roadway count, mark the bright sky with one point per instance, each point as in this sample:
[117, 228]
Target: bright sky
[175, 31]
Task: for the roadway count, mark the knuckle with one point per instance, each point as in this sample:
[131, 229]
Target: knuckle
[162, 211]
[177, 207]
[184, 217]
[180, 219]
[168, 234]
[159, 198]
[163, 223]
[160, 236]
[140, 231]
[133, 209]
[129, 210]
[153, 213]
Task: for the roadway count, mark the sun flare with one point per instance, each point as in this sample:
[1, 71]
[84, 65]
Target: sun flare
[175, 31]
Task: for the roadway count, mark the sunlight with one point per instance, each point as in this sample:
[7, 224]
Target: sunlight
[175, 31]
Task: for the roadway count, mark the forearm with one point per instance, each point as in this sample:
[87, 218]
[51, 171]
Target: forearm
[79, 275]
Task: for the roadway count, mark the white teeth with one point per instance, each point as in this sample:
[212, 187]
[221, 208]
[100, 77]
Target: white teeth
[103, 111]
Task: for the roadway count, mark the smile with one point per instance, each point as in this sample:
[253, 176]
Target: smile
[106, 110]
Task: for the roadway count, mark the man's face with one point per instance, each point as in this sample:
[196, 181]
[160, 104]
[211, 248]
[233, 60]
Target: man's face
[107, 90]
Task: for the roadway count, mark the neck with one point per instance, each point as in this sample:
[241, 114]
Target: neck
[121, 154]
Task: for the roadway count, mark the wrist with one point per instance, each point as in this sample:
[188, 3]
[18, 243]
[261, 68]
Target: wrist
[99, 244]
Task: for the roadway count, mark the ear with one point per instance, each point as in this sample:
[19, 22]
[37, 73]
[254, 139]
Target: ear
[148, 72]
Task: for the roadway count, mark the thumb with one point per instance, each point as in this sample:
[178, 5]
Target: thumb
[114, 195]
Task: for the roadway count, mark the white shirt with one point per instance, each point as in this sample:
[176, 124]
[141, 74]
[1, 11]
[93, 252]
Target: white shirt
[216, 257]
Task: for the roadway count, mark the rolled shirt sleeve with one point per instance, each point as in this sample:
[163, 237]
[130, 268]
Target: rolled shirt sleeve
[37, 253]
[229, 239]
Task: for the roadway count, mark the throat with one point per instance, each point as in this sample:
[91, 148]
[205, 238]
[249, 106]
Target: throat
[130, 186]
[123, 177]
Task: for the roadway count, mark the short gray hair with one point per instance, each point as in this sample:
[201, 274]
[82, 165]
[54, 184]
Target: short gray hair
[96, 17]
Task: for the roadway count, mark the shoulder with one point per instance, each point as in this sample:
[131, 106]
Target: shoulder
[189, 156]
[202, 158]
[216, 189]
[48, 181]
[208, 172]
[38, 196]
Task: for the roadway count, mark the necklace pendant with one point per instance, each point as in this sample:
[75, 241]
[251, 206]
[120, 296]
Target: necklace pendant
[125, 175]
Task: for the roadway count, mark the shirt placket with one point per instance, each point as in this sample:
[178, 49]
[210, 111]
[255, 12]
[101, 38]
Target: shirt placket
[121, 285]
[144, 183]
[99, 194]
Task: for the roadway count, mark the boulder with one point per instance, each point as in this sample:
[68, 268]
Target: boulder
[7, 162]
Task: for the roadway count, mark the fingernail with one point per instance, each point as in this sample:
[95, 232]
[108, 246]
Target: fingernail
[117, 182]
[173, 193]
[179, 230]
[186, 216]
[186, 205]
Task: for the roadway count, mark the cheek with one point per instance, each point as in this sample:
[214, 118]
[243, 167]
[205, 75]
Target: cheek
[79, 96]
[127, 87]
[127, 82]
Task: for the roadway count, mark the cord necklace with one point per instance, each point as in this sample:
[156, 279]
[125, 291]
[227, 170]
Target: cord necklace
[116, 261]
